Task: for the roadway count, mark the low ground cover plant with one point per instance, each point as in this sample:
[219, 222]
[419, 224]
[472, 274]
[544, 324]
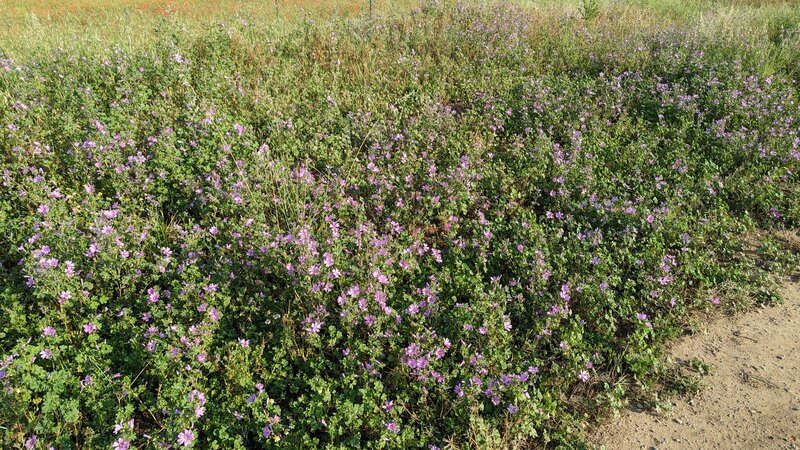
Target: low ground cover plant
[449, 229]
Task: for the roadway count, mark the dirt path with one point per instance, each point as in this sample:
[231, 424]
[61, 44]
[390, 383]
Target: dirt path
[753, 396]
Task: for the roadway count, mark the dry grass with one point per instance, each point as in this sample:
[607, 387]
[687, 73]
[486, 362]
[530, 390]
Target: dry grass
[64, 9]
[31, 26]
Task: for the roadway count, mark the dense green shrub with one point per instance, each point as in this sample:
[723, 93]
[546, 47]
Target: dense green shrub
[445, 229]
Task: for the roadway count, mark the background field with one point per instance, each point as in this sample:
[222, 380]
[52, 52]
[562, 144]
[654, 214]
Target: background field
[31, 24]
[452, 225]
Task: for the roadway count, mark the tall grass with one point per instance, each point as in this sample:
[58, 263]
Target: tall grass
[30, 27]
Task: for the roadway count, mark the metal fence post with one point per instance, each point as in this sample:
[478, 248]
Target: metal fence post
[370, 9]
[276, 9]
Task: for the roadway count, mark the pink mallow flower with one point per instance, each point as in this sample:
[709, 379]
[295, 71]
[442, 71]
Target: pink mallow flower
[186, 437]
[121, 444]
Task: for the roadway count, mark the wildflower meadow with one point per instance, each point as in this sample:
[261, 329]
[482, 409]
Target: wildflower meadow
[455, 225]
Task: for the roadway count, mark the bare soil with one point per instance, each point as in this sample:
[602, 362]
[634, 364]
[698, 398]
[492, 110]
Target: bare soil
[752, 397]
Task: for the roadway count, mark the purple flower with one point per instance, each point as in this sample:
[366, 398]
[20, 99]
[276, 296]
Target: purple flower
[382, 279]
[89, 328]
[643, 318]
[69, 269]
[583, 376]
[564, 294]
[64, 296]
[110, 213]
[328, 259]
[121, 444]
[267, 431]
[186, 437]
[391, 426]
[314, 327]
[244, 342]
[354, 291]
[152, 296]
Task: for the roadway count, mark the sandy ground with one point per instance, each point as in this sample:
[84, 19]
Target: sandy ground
[752, 398]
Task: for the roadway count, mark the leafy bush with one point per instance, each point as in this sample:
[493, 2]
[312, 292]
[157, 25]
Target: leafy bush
[408, 232]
